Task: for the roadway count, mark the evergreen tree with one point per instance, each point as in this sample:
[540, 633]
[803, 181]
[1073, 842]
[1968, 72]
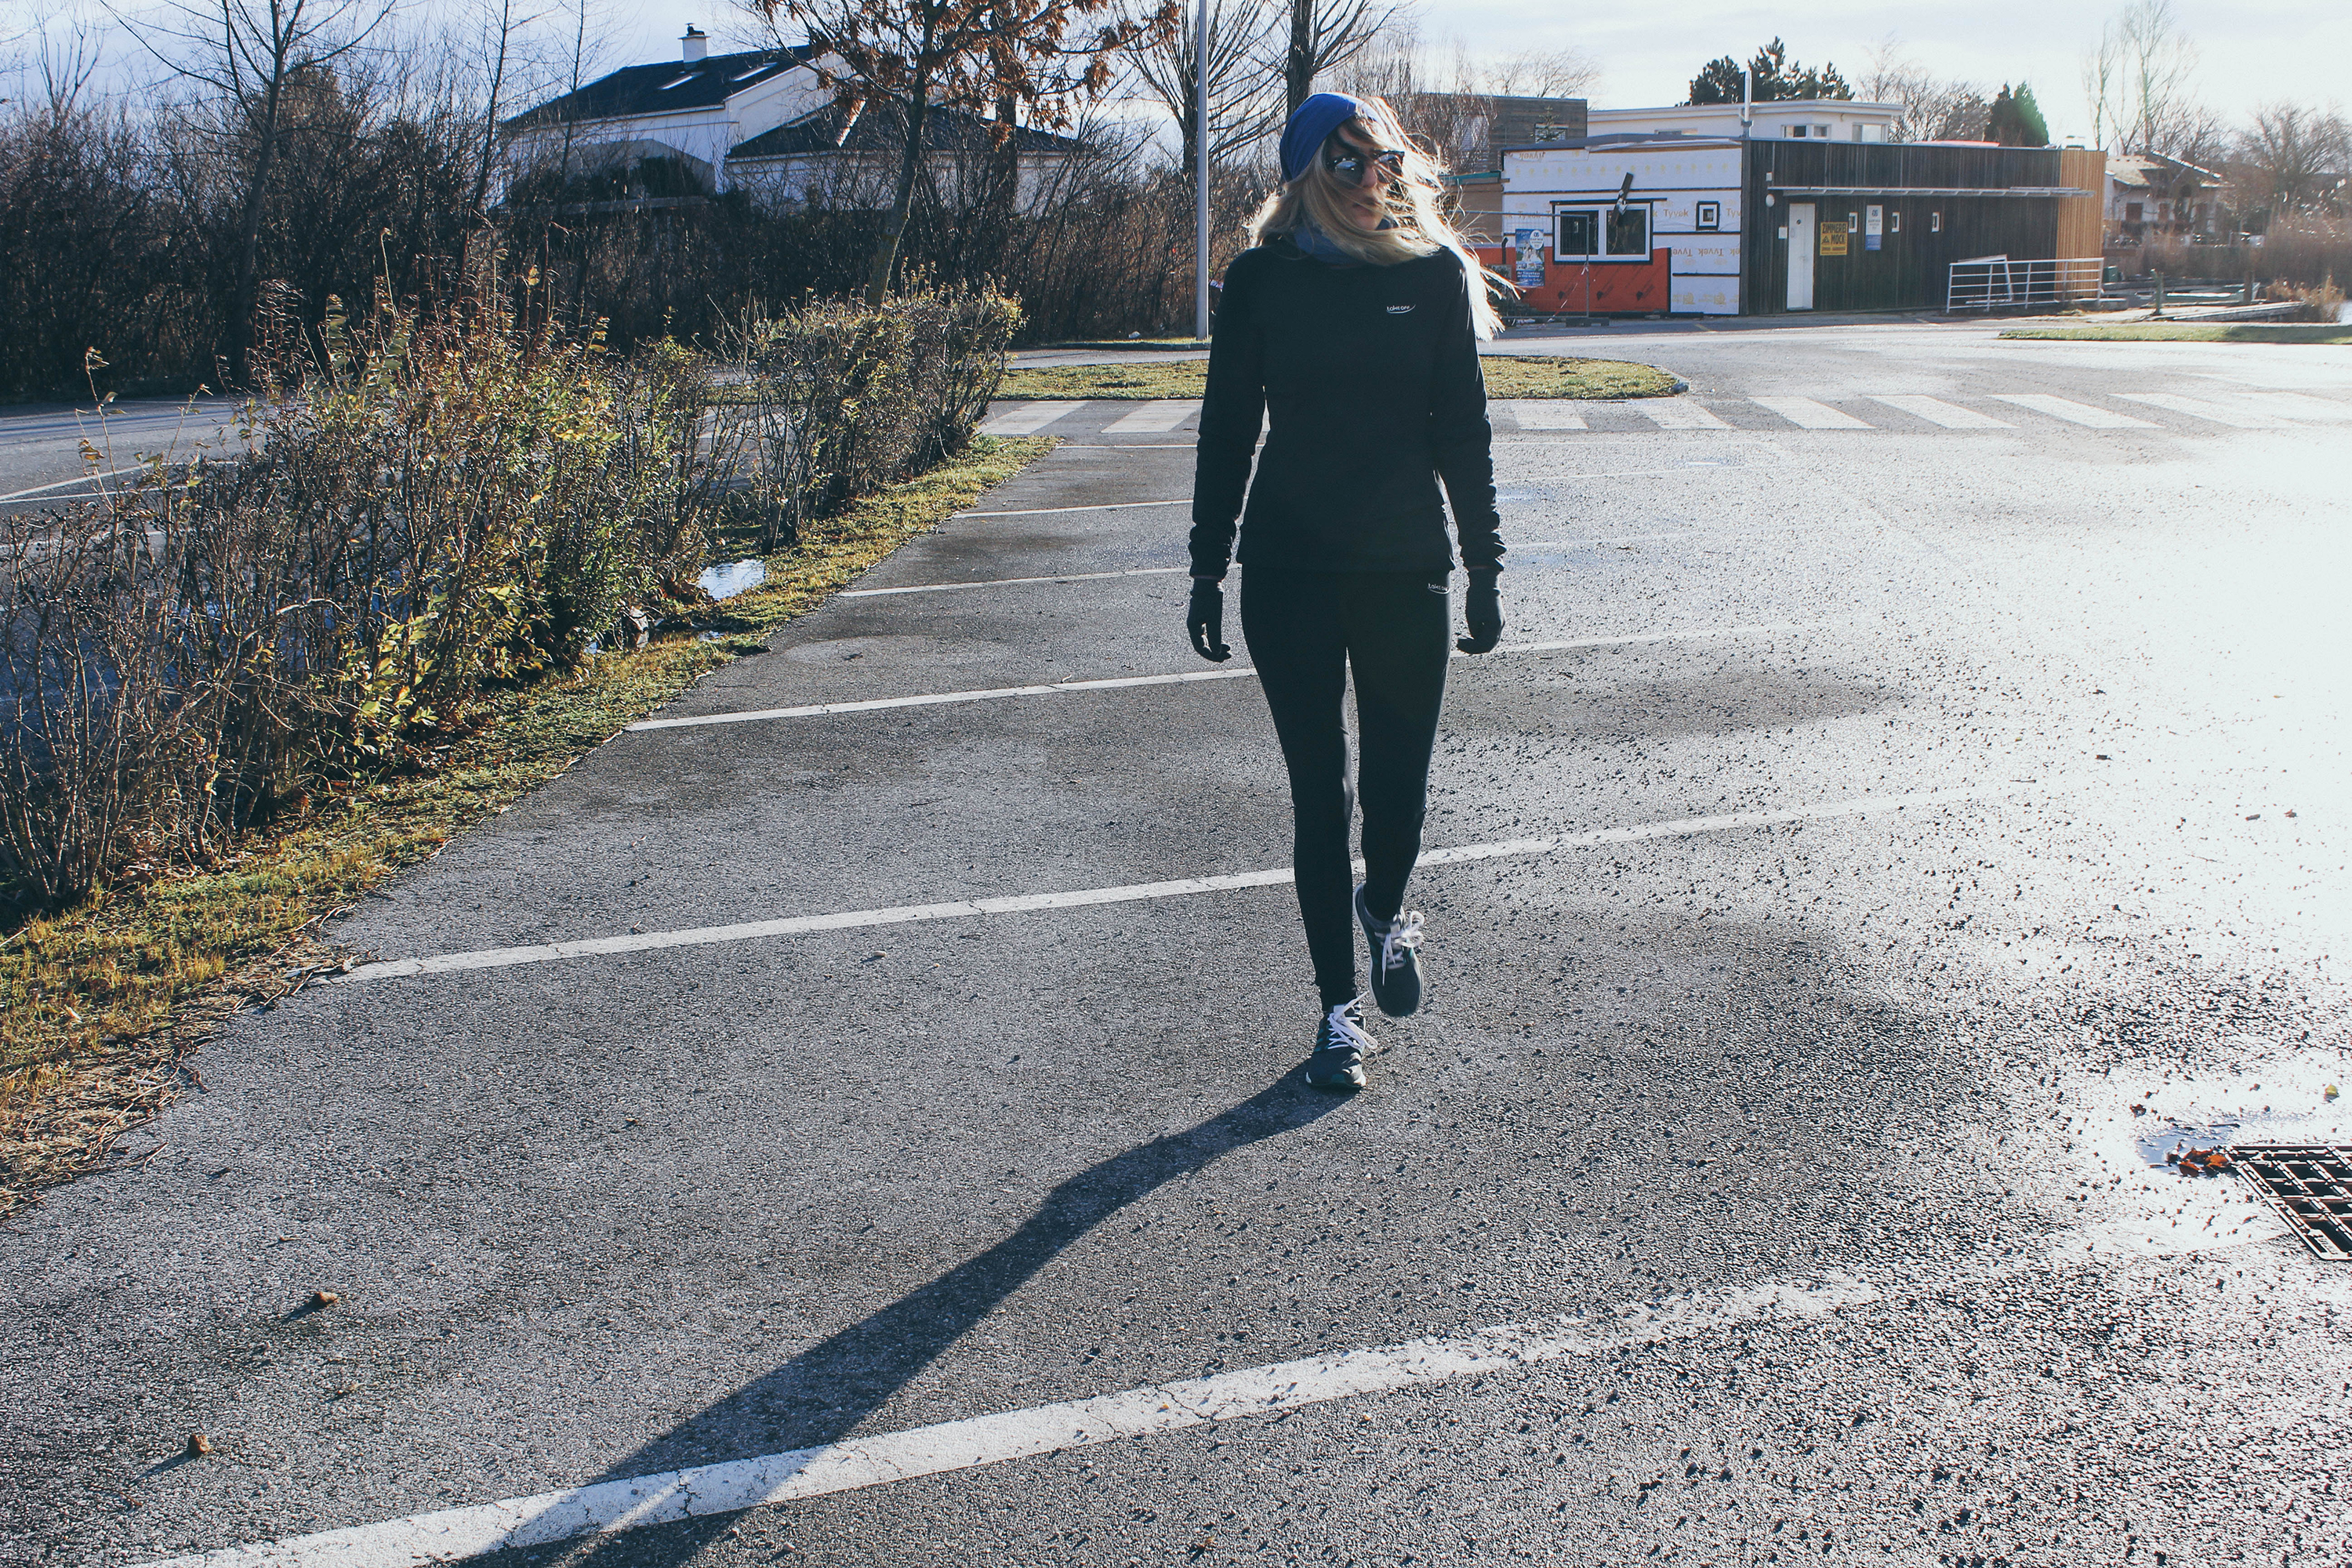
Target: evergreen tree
[1776, 78]
[2016, 120]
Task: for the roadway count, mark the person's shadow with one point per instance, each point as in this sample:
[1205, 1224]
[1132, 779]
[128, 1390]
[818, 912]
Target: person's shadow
[820, 1396]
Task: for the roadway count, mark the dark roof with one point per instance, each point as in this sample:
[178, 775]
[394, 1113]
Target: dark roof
[876, 129]
[665, 87]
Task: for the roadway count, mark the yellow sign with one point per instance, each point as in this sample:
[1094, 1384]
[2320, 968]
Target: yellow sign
[1834, 240]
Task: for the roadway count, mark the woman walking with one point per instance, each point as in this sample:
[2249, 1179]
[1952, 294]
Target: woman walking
[1352, 323]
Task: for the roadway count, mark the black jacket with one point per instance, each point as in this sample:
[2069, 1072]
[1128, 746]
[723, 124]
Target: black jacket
[1370, 379]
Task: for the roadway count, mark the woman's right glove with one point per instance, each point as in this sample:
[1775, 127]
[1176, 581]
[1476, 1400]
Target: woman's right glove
[1483, 610]
[1204, 619]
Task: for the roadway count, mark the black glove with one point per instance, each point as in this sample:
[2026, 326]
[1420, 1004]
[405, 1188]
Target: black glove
[1204, 619]
[1484, 611]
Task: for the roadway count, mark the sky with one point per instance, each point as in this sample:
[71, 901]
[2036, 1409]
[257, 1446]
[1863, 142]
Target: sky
[2251, 51]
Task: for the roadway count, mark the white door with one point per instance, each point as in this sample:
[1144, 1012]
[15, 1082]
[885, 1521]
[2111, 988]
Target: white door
[1800, 256]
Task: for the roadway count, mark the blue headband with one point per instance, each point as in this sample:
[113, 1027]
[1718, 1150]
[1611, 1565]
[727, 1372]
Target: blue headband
[1316, 119]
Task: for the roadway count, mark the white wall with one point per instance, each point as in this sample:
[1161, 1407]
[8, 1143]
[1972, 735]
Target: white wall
[1771, 120]
[1705, 266]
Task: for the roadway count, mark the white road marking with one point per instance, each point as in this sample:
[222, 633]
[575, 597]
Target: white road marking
[1050, 511]
[1547, 413]
[1003, 582]
[2074, 413]
[735, 1485]
[904, 914]
[1155, 418]
[1057, 687]
[2197, 408]
[68, 484]
[1936, 411]
[1028, 418]
[934, 699]
[1810, 414]
[1127, 446]
[1677, 413]
[2296, 406]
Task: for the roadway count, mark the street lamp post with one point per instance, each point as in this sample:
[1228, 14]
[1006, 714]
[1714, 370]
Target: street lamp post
[1201, 172]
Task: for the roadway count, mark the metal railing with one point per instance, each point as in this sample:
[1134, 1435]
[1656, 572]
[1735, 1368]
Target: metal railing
[1998, 283]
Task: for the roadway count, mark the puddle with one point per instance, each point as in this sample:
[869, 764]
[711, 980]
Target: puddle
[2115, 1132]
[729, 578]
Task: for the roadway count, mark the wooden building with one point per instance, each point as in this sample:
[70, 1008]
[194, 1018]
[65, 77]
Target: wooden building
[1725, 226]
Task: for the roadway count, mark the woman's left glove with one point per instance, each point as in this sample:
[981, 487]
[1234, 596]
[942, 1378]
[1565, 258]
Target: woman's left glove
[1204, 619]
[1484, 612]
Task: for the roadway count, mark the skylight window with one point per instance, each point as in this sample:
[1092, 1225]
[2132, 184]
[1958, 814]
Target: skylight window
[755, 70]
[679, 82]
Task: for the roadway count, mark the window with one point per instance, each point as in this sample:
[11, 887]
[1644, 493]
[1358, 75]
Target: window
[1853, 222]
[1895, 223]
[1710, 215]
[1935, 223]
[679, 82]
[1602, 234]
[1793, 129]
[1580, 234]
[1870, 133]
[2132, 211]
[1629, 232]
[1821, 131]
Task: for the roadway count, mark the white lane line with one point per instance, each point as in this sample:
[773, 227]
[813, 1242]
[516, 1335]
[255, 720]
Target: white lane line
[1057, 687]
[934, 699]
[1936, 411]
[1050, 511]
[1028, 418]
[1677, 413]
[1546, 414]
[2197, 408]
[68, 484]
[905, 914]
[1155, 418]
[2075, 412]
[1808, 414]
[1128, 447]
[707, 1490]
[1002, 582]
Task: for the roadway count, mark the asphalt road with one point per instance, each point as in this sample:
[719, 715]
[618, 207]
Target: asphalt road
[1900, 807]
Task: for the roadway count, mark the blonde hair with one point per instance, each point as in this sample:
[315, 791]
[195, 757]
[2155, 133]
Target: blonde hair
[1413, 202]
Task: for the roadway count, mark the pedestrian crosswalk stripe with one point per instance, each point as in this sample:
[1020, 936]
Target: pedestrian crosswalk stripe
[1155, 418]
[1547, 413]
[2296, 405]
[1936, 411]
[965, 909]
[2197, 408]
[2074, 413]
[1810, 414]
[1025, 419]
[1678, 414]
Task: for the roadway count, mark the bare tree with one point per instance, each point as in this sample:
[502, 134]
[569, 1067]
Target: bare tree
[1325, 34]
[2155, 62]
[912, 56]
[2298, 154]
[1934, 109]
[2103, 87]
[248, 53]
[500, 24]
[1245, 99]
[1540, 73]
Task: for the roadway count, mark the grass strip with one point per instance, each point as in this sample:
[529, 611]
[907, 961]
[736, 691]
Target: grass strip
[1508, 375]
[2191, 332]
[101, 1005]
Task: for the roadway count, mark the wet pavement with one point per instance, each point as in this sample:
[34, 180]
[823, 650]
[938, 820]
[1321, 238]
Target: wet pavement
[1938, 825]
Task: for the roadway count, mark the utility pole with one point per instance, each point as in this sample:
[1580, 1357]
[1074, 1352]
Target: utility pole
[1201, 172]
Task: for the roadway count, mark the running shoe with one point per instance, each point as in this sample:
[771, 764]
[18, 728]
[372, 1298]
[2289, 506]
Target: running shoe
[1396, 962]
[1340, 1048]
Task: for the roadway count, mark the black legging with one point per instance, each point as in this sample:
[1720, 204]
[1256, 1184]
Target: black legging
[1306, 630]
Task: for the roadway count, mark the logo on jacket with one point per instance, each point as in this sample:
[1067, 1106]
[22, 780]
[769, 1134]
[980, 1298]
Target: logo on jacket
[1400, 310]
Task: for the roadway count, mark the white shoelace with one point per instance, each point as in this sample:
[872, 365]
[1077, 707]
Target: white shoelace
[1348, 1032]
[1403, 936]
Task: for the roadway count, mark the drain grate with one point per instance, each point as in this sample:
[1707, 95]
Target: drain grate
[2310, 1185]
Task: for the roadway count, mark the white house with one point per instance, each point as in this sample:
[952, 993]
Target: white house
[760, 122]
[697, 109]
[1809, 119]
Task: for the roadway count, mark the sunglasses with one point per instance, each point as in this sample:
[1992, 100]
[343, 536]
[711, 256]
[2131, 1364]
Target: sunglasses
[1349, 166]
